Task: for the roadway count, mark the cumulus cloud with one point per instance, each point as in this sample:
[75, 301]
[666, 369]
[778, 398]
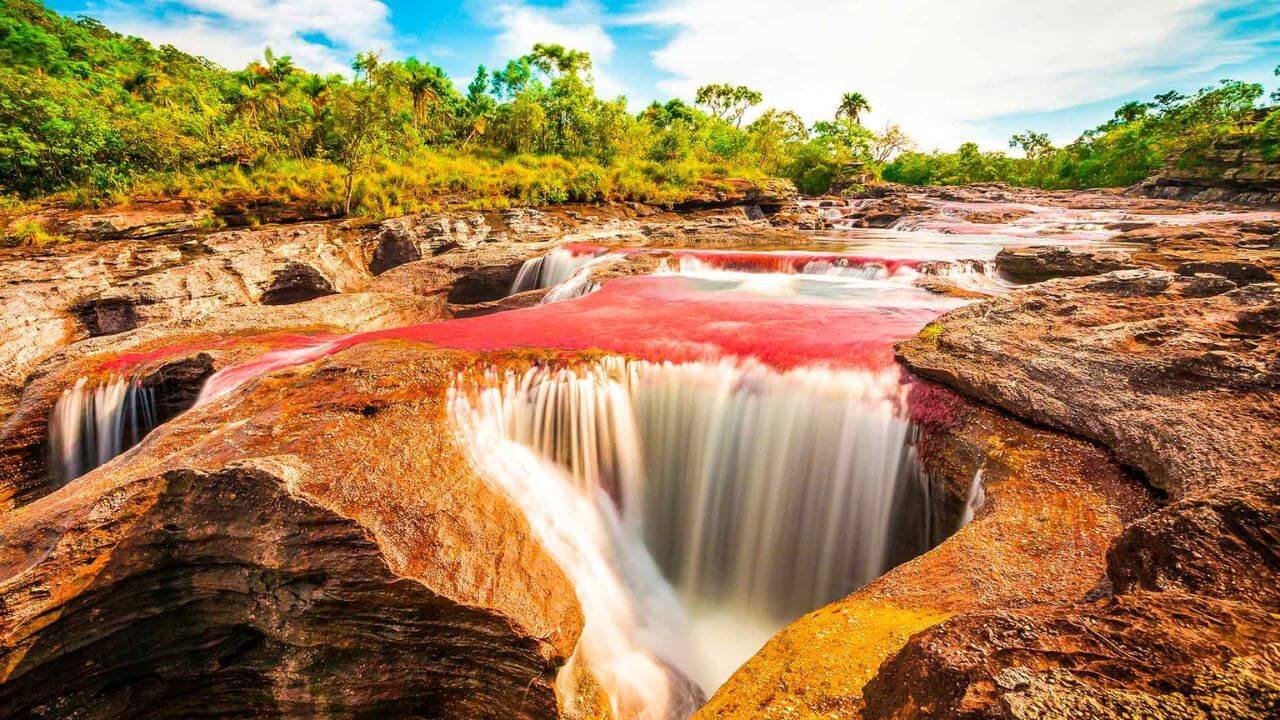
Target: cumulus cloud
[322, 35]
[940, 69]
[577, 25]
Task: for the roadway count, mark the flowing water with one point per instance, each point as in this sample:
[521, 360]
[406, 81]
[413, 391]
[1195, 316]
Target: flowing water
[92, 424]
[740, 454]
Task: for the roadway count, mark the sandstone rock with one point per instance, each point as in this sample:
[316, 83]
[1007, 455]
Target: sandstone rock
[1129, 360]
[272, 554]
[1037, 263]
[1183, 386]
[192, 350]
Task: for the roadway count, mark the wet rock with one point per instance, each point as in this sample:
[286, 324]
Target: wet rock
[1184, 386]
[1053, 506]
[249, 558]
[192, 350]
[1038, 263]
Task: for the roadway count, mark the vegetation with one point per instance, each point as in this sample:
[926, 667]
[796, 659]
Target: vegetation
[1137, 141]
[89, 116]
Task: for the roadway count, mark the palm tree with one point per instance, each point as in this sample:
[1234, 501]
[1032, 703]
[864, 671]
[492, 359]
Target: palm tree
[421, 80]
[852, 105]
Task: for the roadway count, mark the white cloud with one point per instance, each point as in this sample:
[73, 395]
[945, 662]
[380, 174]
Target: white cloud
[939, 69]
[321, 35]
[577, 25]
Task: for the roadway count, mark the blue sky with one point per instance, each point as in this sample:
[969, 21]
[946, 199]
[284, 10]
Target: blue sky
[946, 70]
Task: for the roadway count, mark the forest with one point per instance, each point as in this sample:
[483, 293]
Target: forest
[89, 116]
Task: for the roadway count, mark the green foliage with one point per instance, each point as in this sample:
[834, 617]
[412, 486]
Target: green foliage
[93, 116]
[1138, 140]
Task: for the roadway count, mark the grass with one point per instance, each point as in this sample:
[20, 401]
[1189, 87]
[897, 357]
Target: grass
[29, 233]
[424, 181]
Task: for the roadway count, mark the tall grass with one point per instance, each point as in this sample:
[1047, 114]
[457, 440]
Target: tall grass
[430, 179]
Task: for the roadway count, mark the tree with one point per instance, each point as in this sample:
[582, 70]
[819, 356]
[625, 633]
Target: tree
[852, 105]
[728, 102]
[422, 80]
[555, 59]
[362, 121]
[1034, 144]
[1131, 111]
[889, 142]
[1169, 100]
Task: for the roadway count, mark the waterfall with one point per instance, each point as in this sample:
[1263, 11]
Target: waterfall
[862, 268]
[634, 628]
[974, 498]
[566, 270]
[553, 268]
[759, 494]
[89, 426]
[979, 275]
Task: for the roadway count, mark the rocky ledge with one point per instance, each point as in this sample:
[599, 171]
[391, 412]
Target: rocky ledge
[1180, 377]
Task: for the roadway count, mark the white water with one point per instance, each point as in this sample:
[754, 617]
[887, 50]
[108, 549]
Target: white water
[975, 497]
[550, 270]
[91, 425]
[634, 629]
[760, 494]
[566, 272]
[980, 275]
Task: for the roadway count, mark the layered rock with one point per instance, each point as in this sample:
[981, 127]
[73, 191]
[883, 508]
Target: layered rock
[273, 553]
[1238, 168]
[175, 358]
[1182, 384]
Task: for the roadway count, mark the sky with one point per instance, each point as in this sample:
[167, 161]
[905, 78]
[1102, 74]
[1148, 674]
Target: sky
[945, 70]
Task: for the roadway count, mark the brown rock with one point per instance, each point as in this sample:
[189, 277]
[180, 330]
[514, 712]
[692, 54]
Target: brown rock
[1053, 505]
[289, 562]
[1038, 263]
[196, 351]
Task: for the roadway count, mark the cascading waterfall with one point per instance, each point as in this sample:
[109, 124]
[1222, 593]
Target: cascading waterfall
[552, 269]
[760, 494]
[634, 630]
[831, 266]
[567, 271]
[972, 274]
[91, 425]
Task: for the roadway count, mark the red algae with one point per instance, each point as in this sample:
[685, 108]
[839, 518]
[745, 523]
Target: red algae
[658, 318]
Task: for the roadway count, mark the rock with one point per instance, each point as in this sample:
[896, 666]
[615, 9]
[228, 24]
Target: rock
[176, 357]
[729, 192]
[1053, 506]
[1038, 263]
[1129, 360]
[1184, 386]
[264, 210]
[1234, 170]
[271, 554]
[1240, 273]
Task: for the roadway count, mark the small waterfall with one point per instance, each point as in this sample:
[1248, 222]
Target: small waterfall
[981, 275]
[566, 270]
[975, 497]
[760, 494]
[89, 426]
[553, 268]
